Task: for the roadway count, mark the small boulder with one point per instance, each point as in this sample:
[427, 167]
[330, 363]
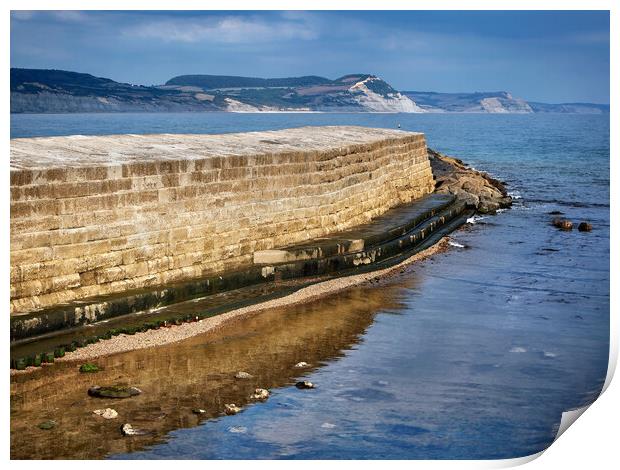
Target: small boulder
[304, 385]
[584, 227]
[114, 391]
[260, 394]
[562, 224]
[231, 409]
[107, 413]
[128, 430]
[556, 213]
[199, 411]
[488, 205]
[301, 365]
[47, 425]
[242, 375]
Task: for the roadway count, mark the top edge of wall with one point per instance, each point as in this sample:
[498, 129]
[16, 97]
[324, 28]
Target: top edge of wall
[107, 150]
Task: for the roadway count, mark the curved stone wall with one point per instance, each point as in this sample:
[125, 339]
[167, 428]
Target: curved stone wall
[99, 215]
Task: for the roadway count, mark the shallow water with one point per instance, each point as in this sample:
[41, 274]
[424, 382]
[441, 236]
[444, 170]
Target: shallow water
[473, 354]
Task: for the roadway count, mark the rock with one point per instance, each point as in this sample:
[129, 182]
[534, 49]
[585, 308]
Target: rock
[477, 189]
[114, 391]
[260, 394]
[107, 413]
[231, 409]
[470, 199]
[584, 227]
[488, 205]
[242, 375]
[556, 213]
[562, 224]
[47, 425]
[128, 430]
[89, 368]
[301, 365]
[199, 411]
[304, 385]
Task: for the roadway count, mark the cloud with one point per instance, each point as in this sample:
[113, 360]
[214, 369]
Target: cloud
[228, 29]
[22, 15]
[59, 15]
[69, 15]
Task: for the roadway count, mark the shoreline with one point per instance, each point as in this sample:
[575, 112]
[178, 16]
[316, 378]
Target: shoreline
[162, 336]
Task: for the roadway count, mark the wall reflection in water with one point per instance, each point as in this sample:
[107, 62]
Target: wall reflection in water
[196, 373]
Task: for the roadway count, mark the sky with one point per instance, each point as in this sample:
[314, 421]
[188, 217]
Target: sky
[548, 56]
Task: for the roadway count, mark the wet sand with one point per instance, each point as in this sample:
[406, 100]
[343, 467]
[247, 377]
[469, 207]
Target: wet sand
[162, 336]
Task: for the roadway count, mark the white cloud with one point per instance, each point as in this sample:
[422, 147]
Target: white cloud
[229, 29]
[69, 15]
[22, 15]
[59, 15]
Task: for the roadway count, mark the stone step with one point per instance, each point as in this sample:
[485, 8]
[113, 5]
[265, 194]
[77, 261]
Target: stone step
[391, 225]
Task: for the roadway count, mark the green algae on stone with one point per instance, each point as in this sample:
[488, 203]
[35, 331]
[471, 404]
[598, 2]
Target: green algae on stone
[47, 425]
[47, 357]
[36, 360]
[89, 368]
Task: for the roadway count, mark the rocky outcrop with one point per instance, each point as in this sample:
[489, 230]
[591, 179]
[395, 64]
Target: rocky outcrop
[476, 188]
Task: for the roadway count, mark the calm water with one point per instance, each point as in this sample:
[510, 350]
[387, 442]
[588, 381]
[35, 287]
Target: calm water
[473, 354]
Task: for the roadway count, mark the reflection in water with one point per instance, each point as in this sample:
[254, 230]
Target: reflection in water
[196, 373]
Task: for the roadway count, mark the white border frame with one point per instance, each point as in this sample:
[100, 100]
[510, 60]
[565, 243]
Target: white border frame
[591, 443]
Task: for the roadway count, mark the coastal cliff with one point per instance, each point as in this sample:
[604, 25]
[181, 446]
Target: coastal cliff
[60, 91]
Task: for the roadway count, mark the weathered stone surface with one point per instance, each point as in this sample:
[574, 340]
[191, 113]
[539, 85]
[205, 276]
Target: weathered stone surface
[128, 430]
[107, 413]
[113, 391]
[231, 409]
[100, 215]
[260, 394]
[242, 375]
[562, 224]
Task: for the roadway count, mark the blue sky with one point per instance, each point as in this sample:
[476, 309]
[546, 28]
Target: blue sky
[551, 56]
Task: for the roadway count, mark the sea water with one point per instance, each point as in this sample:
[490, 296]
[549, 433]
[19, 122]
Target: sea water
[473, 354]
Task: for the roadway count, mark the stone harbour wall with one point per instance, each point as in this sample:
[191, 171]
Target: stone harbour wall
[100, 215]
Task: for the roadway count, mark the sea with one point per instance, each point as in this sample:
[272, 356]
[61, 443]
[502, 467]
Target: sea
[474, 353]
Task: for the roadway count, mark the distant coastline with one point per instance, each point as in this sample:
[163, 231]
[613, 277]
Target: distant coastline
[39, 91]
